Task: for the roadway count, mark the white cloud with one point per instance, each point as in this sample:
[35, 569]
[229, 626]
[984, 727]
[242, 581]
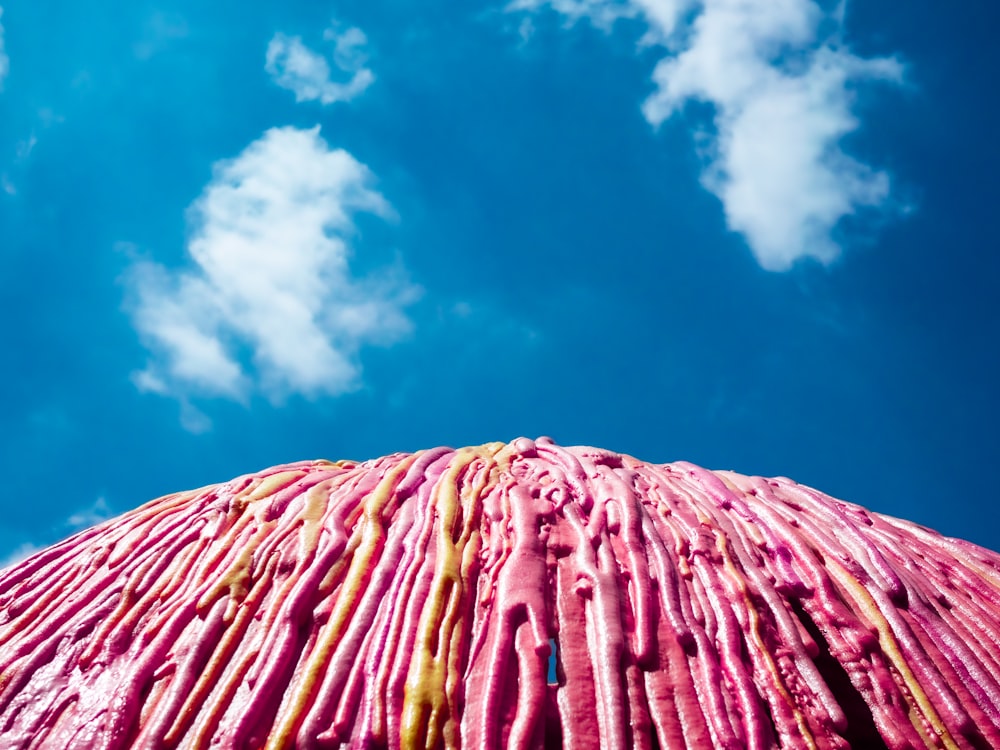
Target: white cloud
[25, 147]
[782, 99]
[269, 302]
[79, 520]
[92, 515]
[601, 13]
[161, 30]
[4, 60]
[19, 553]
[22, 152]
[295, 67]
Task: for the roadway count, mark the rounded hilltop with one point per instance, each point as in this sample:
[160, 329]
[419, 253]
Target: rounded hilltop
[518, 595]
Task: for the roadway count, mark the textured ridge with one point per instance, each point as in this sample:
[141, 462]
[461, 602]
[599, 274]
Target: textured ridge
[422, 600]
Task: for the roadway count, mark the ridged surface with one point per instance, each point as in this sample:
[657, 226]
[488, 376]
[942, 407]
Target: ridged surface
[413, 601]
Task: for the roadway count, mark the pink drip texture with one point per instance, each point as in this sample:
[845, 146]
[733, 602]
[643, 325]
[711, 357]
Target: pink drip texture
[426, 600]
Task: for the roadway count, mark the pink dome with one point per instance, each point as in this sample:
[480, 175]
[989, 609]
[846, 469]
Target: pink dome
[522, 595]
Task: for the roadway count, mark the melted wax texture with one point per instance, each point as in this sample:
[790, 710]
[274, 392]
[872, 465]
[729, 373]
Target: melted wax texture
[417, 601]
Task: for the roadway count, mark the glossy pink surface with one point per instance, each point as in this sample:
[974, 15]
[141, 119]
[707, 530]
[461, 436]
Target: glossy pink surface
[413, 601]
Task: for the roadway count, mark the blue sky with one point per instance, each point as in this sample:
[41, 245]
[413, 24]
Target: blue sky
[755, 235]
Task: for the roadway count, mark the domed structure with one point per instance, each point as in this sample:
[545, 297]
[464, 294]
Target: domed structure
[505, 596]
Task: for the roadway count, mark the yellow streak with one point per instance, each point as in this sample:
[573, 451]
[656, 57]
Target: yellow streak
[430, 690]
[372, 532]
[312, 515]
[236, 578]
[269, 486]
[761, 648]
[868, 607]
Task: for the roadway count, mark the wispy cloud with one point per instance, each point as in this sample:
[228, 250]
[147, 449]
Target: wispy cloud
[268, 302]
[601, 13]
[20, 552]
[782, 95]
[91, 515]
[79, 520]
[4, 60]
[293, 66]
[161, 30]
[25, 147]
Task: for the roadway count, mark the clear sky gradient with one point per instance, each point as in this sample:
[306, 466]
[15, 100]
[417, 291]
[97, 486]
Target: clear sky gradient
[755, 235]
